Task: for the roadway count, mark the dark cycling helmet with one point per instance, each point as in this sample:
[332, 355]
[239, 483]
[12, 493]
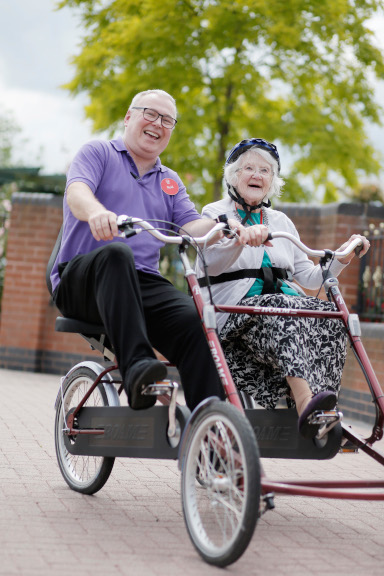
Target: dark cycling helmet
[244, 145]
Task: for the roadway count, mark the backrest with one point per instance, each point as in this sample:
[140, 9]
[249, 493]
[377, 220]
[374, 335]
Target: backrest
[52, 260]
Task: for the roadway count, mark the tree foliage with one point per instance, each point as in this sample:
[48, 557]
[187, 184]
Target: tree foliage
[8, 129]
[367, 192]
[296, 72]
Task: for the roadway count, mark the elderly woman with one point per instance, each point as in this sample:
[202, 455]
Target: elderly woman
[271, 357]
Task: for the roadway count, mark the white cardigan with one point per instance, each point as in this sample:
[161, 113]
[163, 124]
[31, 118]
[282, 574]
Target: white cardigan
[227, 256]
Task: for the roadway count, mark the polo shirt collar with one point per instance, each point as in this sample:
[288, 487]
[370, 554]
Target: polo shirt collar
[119, 146]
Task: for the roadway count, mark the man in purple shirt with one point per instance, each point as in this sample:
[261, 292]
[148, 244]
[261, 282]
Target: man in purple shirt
[101, 278]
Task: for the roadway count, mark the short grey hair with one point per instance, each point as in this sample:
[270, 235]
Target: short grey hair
[231, 170]
[159, 92]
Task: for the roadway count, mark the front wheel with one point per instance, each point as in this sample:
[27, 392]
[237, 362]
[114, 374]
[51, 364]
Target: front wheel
[85, 474]
[221, 484]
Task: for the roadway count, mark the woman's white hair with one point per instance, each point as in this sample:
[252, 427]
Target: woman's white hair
[231, 170]
[159, 92]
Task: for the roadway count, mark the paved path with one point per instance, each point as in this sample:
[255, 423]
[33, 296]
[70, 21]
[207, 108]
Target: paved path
[134, 525]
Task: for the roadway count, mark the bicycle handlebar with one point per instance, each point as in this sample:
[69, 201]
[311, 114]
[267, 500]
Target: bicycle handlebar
[354, 245]
[126, 224]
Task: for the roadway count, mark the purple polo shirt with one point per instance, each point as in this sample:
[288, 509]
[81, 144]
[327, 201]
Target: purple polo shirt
[110, 172]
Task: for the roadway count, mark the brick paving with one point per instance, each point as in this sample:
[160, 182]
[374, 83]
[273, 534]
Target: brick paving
[134, 525]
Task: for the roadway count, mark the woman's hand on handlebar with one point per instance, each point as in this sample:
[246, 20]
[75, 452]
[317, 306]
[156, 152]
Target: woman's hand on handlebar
[251, 235]
[360, 250]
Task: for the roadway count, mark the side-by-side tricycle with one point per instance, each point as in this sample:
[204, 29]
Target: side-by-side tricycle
[223, 487]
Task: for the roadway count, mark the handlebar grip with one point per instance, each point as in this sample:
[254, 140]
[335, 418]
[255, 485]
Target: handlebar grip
[125, 225]
[269, 237]
[358, 249]
[132, 232]
[123, 222]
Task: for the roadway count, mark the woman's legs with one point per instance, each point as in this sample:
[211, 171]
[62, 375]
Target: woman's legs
[306, 405]
[301, 392]
[262, 350]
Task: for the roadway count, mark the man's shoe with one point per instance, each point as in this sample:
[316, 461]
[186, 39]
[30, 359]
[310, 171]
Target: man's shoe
[143, 372]
[322, 401]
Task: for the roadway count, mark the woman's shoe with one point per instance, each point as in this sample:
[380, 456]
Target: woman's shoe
[322, 401]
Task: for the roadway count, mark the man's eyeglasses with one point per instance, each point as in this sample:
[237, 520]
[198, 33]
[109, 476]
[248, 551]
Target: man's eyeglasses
[152, 115]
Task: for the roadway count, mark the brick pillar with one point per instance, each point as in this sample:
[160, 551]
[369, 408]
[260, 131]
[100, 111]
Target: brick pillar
[27, 337]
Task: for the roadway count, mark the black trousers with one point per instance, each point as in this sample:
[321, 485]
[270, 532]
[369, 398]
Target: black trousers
[139, 311]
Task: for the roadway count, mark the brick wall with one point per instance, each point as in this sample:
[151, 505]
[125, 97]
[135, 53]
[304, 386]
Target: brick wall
[27, 337]
[329, 226]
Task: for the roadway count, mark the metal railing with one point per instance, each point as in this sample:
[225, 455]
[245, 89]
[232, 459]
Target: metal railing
[370, 303]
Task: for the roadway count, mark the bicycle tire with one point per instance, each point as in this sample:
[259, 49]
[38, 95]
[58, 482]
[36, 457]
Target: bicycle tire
[220, 484]
[85, 474]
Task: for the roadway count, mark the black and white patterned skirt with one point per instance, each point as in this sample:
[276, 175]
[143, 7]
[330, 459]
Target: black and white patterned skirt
[262, 350]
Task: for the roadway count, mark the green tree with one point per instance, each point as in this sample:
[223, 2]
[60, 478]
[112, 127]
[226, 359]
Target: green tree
[367, 192]
[8, 129]
[297, 72]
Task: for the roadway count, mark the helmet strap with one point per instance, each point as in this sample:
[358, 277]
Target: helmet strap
[233, 193]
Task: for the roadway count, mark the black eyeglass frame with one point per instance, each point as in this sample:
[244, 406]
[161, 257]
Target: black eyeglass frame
[158, 114]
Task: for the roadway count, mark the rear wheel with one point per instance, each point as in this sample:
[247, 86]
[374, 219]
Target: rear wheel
[85, 474]
[221, 484]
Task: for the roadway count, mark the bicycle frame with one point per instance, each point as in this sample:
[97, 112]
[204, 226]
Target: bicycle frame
[329, 489]
[361, 490]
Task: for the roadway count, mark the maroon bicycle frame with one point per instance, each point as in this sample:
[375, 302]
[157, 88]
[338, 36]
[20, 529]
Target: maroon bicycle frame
[345, 489]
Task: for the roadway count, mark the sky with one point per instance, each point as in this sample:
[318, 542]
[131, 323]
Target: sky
[36, 45]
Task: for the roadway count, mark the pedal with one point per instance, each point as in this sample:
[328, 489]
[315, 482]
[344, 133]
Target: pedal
[267, 502]
[159, 388]
[172, 388]
[348, 448]
[326, 420]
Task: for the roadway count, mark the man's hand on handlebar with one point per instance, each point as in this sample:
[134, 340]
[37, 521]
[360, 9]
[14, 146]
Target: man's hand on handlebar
[103, 225]
[360, 250]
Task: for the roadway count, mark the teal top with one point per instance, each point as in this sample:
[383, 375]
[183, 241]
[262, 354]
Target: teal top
[257, 287]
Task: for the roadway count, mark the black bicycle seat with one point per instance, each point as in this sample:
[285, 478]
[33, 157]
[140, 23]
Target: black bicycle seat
[78, 326]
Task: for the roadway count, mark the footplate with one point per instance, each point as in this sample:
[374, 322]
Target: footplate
[119, 431]
[277, 435]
